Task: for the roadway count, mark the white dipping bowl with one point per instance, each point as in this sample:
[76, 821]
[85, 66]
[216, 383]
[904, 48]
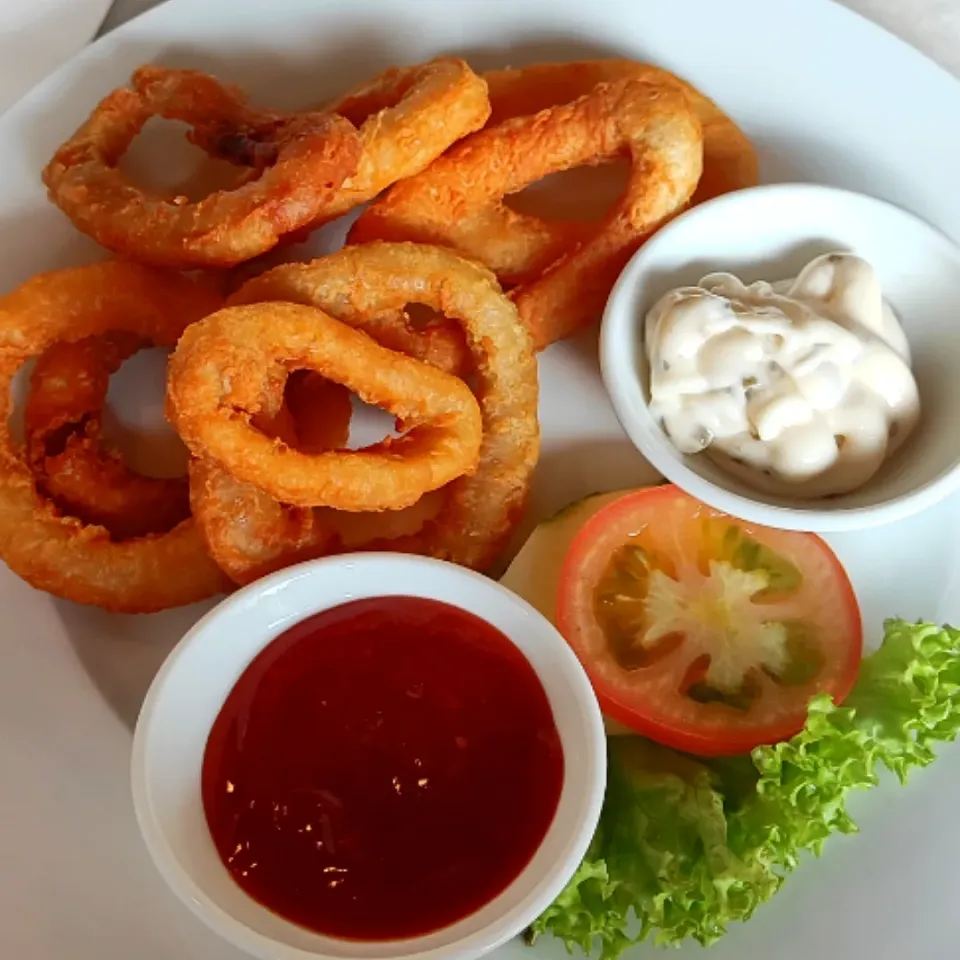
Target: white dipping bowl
[193, 683]
[770, 233]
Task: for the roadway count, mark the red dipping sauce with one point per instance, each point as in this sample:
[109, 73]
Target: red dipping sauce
[382, 769]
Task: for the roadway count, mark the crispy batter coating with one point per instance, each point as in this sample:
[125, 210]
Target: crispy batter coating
[250, 534]
[72, 466]
[555, 117]
[729, 160]
[224, 365]
[663, 137]
[61, 554]
[247, 532]
[407, 117]
[302, 160]
[437, 341]
[260, 391]
[319, 413]
[470, 520]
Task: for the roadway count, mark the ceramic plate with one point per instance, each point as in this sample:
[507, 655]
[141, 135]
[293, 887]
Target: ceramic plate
[38, 35]
[825, 96]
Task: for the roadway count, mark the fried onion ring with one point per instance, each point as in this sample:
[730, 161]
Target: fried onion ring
[61, 554]
[302, 160]
[224, 365]
[250, 534]
[468, 521]
[564, 271]
[247, 532]
[62, 428]
[729, 160]
[407, 117]
[438, 341]
[318, 411]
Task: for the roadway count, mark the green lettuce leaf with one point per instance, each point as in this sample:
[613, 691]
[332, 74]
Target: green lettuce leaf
[687, 846]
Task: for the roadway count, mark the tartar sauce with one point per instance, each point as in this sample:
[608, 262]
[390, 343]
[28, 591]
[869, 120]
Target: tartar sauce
[800, 387]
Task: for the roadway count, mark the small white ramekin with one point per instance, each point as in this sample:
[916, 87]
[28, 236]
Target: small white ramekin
[193, 683]
[769, 233]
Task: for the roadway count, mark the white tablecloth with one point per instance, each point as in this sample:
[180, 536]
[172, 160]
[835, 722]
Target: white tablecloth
[932, 26]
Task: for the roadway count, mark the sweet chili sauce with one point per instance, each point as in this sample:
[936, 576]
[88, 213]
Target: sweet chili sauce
[382, 769]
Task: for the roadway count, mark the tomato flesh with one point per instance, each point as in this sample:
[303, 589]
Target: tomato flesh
[703, 632]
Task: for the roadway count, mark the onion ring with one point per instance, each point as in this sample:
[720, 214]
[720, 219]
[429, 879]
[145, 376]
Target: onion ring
[224, 365]
[247, 532]
[60, 554]
[439, 342]
[564, 272]
[471, 519]
[302, 160]
[407, 117]
[729, 160]
[250, 534]
[319, 413]
[62, 428]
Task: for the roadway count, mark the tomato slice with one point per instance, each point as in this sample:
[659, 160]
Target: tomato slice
[703, 632]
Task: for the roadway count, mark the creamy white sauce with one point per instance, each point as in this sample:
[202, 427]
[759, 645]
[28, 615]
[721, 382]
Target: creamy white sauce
[801, 387]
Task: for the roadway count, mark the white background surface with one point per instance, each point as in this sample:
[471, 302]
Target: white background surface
[36, 36]
[932, 26]
[846, 105]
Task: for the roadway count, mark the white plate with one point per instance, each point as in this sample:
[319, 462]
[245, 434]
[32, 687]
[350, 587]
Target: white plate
[824, 95]
[38, 35]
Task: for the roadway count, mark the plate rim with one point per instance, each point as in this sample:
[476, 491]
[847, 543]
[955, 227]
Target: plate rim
[87, 59]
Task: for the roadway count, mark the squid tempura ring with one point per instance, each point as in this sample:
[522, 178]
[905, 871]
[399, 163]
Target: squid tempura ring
[477, 513]
[303, 161]
[315, 414]
[60, 554]
[564, 272]
[224, 366]
[729, 160]
[62, 427]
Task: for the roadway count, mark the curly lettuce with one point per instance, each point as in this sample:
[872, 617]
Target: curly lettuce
[687, 846]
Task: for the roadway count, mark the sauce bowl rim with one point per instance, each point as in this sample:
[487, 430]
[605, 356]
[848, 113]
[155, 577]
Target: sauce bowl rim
[624, 381]
[204, 887]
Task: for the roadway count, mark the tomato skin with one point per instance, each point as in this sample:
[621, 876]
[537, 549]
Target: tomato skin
[593, 545]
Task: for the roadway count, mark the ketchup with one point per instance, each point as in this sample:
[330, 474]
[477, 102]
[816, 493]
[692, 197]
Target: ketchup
[382, 769]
